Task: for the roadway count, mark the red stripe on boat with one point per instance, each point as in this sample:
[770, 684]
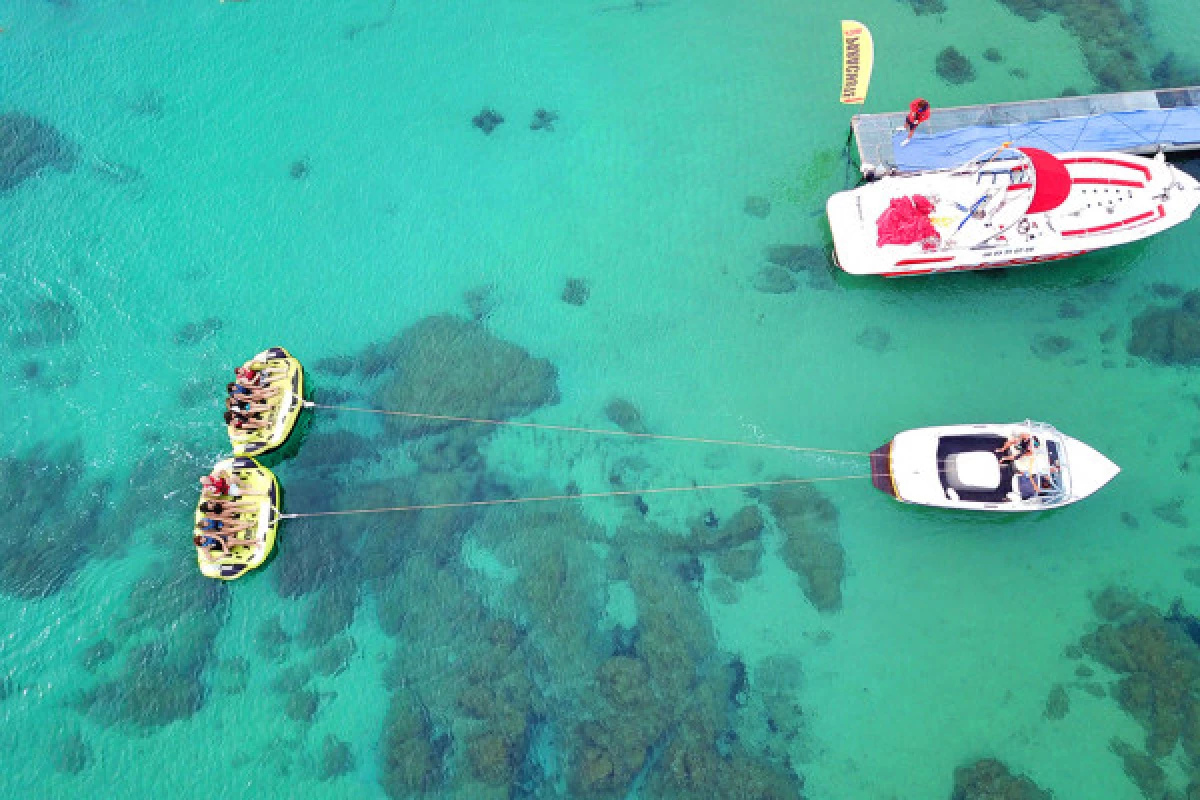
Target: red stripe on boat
[1110, 182]
[931, 260]
[1017, 186]
[1111, 161]
[1100, 228]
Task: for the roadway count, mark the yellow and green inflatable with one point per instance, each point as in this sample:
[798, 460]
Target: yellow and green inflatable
[257, 487]
[287, 374]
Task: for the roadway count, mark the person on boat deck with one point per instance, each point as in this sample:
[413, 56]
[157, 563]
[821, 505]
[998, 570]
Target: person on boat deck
[220, 483]
[222, 526]
[1016, 446]
[207, 542]
[245, 422]
[918, 112]
[226, 511]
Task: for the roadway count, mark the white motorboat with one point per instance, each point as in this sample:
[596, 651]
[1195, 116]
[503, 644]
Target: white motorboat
[1007, 207]
[1026, 466]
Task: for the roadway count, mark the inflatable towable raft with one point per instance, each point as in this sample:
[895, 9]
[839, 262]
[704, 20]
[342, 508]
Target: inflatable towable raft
[285, 373]
[258, 488]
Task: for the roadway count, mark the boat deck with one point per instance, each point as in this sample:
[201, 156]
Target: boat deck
[1131, 122]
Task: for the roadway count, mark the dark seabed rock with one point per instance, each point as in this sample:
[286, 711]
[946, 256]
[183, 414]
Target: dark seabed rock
[167, 648]
[336, 758]
[1168, 335]
[796, 257]
[543, 120]
[47, 322]
[813, 261]
[97, 655]
[1129, 520]
[1110, 34]
[954, 67]
[1141, 769]
[115, 172]
[1058, 703]
[487, 120]
[990, 779]
[339, 366]
[448, 365]
[923, 7]
[873, 338]
[410, 753]
[1019, 73]
[196, 391]
[757, 206]
[299, 170]
[812, 546]
[196, 332]
[774, 280]
[27, 146]
[146, 103]
[993, 55]
[576, 292]
[481, 301]
[1172, 513]
[73, 755]
[47, 526]
[1050, 345]
[1069, 310]
[624, 415]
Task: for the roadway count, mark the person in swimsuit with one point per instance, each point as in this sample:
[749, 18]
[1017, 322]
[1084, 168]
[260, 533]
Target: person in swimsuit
[1016, 446]
[245, 422]
[250, 392]
[223, 527]
[244, 406]
[206, 543]
[226, 511]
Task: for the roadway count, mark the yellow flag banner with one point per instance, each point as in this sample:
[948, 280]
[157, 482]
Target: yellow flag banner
[858, 53]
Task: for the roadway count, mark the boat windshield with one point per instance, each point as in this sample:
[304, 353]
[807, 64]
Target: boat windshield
[1048, 464]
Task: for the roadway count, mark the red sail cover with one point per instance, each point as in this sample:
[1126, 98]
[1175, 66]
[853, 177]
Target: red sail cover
[1052, 181]
[906, 221]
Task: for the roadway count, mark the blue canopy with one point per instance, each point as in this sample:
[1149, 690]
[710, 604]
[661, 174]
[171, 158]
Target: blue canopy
[1110, 131]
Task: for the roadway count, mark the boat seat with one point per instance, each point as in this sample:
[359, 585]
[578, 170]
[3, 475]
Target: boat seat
[979, 470]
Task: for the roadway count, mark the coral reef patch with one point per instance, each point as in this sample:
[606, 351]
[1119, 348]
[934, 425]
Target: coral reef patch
[487, 120]
[576, 292]
[543, 120]
[47, 525]
[757, 206]
[990, 779]
[812, 547]
[1157, 658]
[449, 365]
[1168, 335]
[954, 67]
[28, 146]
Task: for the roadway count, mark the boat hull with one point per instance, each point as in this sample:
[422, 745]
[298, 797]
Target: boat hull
[1112, 199]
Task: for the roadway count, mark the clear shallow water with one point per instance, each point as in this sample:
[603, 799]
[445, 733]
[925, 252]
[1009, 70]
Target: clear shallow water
[952, 628]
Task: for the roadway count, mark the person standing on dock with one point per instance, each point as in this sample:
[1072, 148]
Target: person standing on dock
[918, 112]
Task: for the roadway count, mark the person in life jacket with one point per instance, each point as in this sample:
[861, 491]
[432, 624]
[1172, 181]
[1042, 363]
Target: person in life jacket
[918, 112]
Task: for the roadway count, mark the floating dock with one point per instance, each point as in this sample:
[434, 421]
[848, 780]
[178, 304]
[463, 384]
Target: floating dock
[1131, 122]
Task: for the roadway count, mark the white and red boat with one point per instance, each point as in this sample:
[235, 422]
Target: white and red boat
[1008, 207]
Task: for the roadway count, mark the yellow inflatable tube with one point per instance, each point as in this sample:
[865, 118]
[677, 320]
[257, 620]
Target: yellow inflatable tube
[257, 487]
[287, 374]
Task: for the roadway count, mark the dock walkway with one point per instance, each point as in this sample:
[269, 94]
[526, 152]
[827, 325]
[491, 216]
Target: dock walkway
[1133, 122]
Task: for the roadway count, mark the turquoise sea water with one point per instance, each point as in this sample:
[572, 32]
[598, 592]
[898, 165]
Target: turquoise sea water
[307, 175]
